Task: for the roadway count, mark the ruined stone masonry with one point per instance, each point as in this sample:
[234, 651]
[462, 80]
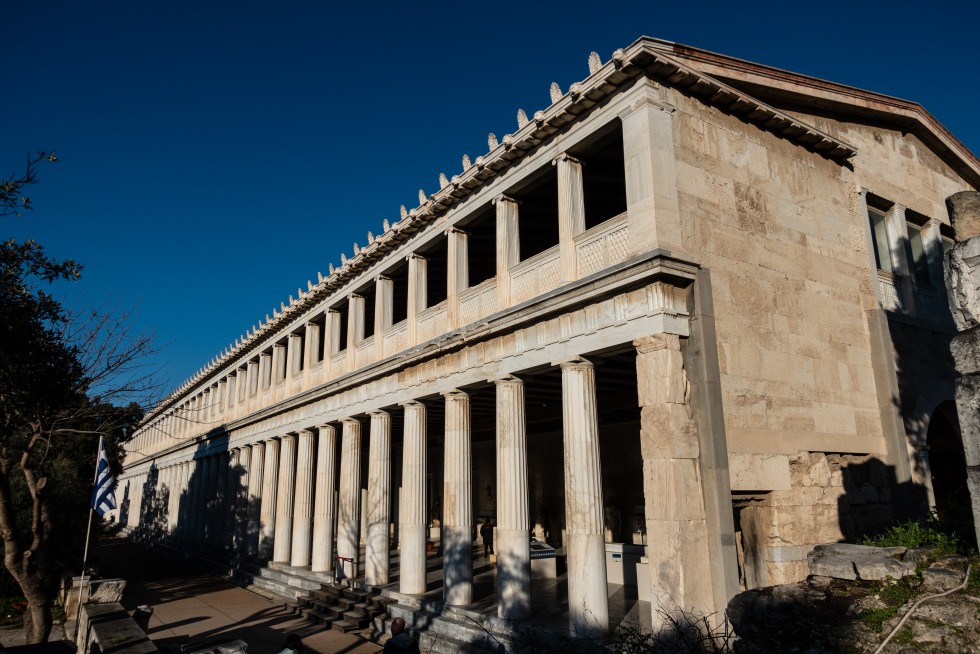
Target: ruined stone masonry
[671, 332]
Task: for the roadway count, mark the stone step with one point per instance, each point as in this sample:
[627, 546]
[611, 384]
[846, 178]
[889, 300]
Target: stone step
[282, 589]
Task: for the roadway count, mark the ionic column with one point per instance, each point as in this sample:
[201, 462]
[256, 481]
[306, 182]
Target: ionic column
[323, 517]
[412, 520]
[282, 548]
[508, 246]
[348, 524]
[378, 500]
[355, 327]
[458, 275]
[303, 504]
[571, 212]
[417, 293]
[211, 508]
[676, 523]
[457, 524]
[267, 510]
[255, 491]
[197, 501]
[513, 543]
[588, 608]
[384, 308]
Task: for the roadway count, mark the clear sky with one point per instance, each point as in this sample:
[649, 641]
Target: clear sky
[217, 154]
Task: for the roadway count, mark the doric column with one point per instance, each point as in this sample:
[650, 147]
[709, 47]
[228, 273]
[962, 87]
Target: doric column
[457, 524]
[232, 490]
[412, 519]
[303, 504]
[378, 500]
[221, 522]
[651, 172]
[676, 523]
[323, 517]
[256, 478]
[571, 212]
[417, 293]
[270, 489]
[588, 608]
[241, 508]
[282, 548]
[384, 307]
[458, 275]
[348, 524]
[513, 544]
[508, 246]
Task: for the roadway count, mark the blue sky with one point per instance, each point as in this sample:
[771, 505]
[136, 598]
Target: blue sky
[216, 155]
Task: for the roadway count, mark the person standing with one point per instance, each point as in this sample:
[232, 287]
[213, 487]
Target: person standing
[486, 532]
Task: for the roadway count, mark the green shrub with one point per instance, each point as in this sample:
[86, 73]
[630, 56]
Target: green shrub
[914, 534]
[874, 618]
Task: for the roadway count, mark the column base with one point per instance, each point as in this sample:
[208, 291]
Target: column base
[457, 565]
[412, 564]
[588, 603]
[513, 548]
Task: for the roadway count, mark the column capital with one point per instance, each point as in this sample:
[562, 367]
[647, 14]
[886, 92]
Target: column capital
[455, 230]
[379, 412]
[564, 156]
[454, 392]
[575, 363]
[504, 198]
[655, 342]
[414, 404]
[304, 432]
[416, 256]
[350, 421]
[508, 379]
[287, 437]
[326, 425]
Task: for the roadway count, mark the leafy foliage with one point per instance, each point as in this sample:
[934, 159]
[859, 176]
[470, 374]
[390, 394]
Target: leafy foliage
[66, 378]
[913, 534]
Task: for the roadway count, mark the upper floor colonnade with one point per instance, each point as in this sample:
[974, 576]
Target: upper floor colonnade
[563, 215]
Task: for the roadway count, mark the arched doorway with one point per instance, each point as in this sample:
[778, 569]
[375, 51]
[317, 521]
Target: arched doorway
[947, 466]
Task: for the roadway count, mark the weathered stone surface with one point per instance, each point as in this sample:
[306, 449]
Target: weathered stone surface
[963, 283]
[940, 579]
[846, 561]
[107, 590]
[965, 348]
[964, 213]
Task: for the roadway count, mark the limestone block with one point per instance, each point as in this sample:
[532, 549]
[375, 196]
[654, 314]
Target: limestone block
[107, 590]
[678, 560]
[847, 561]
[668, 432]
[673, 489]
[963, 283]
[758, 472]
[964, 214]
[965, 348]
[816, 473]
[968, 411]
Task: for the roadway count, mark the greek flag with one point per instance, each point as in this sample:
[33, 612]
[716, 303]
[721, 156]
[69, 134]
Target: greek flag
[103, 498]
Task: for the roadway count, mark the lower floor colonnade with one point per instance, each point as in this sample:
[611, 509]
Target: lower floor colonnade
[556, 457]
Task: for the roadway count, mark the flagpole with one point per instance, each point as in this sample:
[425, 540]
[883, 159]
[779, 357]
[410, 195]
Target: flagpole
[88, 533]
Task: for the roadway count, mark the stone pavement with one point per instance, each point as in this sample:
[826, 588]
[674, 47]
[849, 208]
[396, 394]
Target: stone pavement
[190, 604]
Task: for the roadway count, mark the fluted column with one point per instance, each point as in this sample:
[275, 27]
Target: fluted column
[197, 501]
[255, 491]
[513, 542]
[221, 501]
[379, 500]
[282, 548]
[412, 522]
[211, 495]
[348, 525]
[323, 516]
[270, 488]
[457, 524]
[231, 499]
[241, 510]
[588, 608]
[303, 503]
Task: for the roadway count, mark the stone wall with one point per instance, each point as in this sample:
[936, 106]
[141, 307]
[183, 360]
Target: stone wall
[832, 498]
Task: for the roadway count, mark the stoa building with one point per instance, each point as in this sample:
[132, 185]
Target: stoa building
[677, 328]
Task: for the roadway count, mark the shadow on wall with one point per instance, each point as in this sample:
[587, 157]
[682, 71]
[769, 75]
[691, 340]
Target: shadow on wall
[211, 511]
[870, 490]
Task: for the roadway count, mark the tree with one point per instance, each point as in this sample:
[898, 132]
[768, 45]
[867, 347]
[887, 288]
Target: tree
[66, 377]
